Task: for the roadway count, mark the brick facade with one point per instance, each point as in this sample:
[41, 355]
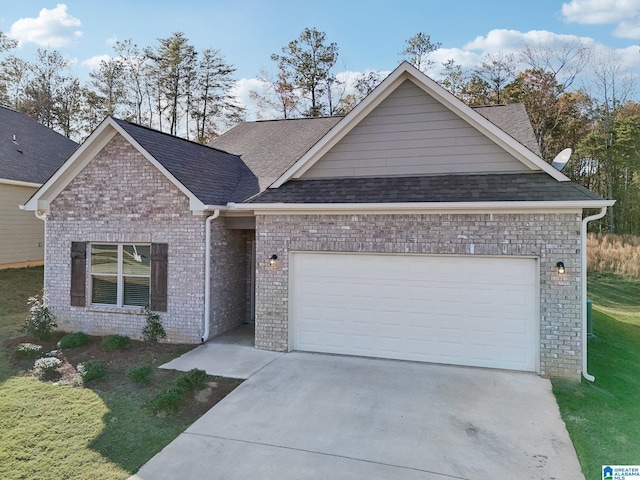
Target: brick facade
[548, 237]
[121, 197]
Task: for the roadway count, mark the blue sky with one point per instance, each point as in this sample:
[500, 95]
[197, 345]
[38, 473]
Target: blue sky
[369, 34]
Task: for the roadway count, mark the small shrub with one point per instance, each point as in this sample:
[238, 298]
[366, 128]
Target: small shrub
[91, 370]
[73, 340]
[47, 364]
[140, 373]
[153, 331]
[112, 343]
[27, 350]
[166, 400]
[41, 321]
[193, 380]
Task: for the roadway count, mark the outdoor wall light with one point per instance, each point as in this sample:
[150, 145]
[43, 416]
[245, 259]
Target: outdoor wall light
[560, 267]
[273, 259]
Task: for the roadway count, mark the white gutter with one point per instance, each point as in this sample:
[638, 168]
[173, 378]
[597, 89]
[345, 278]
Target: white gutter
[417, 206]
[583, 273]
[207, 274]
[19, 183]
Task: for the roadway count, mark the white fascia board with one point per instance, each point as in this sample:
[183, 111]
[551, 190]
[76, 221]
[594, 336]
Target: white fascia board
[102, 135]
[71, 167]
[19, 183]
[343, 127]
[404, 72]
[195, 203]
[416, 207]
[486, 127]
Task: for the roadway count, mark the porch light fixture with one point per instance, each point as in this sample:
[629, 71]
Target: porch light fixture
[273, 259]
[560, 267]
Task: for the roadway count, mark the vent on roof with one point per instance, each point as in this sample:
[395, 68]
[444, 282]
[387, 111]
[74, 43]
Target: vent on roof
[16, 143]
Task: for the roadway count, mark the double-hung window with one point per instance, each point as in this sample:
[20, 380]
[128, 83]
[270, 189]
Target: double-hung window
[120, 274]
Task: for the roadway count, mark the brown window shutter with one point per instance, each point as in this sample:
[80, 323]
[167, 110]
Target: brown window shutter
[159, 253]
[78, 272]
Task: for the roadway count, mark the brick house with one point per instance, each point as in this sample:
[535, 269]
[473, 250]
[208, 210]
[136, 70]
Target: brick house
[414, 228]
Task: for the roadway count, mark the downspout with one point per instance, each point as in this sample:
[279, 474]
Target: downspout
[207, 274]
[583, 273]
[42, 215]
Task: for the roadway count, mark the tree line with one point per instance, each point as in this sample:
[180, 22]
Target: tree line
[172, 87]
[169, 86]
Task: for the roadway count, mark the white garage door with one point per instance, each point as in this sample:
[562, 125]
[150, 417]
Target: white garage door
[461, 310]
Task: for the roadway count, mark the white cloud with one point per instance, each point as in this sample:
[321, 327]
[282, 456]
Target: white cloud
[513, 41]
[624, 13]
[53, 28]
[241, 90]
[94, 62]
[599, 12]
[112, 40]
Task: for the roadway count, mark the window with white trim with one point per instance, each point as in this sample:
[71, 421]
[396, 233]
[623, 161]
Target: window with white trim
[120, 274]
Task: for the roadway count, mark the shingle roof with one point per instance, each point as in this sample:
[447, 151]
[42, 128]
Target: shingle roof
[443, 188]
[214, 176]
[40, 150]
[270, 147]
[514, 120]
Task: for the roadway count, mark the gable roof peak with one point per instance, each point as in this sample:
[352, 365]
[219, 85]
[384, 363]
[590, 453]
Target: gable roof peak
[405, 71]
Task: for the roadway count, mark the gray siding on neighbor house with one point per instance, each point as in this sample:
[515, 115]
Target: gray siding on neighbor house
[21, 233]
[410, 133]
[121, 198]
[548, 237]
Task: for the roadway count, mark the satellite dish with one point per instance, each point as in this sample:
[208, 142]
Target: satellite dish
[561, 159]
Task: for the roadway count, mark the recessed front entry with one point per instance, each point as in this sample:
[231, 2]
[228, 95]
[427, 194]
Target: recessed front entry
[461, 310]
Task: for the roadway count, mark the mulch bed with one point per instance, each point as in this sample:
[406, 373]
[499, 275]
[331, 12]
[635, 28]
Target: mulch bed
[116, 365]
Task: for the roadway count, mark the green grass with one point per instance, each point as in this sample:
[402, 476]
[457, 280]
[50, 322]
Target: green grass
[103, 431]
[616, 296]
[603, 418]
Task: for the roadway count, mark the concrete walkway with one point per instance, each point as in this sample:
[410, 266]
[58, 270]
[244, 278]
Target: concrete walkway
[230, 355]
[311, 416]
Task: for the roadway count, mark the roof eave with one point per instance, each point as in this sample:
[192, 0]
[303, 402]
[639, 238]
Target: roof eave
[98, 139]
[572, 205]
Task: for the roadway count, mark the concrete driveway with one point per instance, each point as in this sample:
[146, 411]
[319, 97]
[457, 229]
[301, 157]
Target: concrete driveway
[311, 416]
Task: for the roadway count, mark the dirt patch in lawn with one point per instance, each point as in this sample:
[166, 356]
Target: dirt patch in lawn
[117, 363]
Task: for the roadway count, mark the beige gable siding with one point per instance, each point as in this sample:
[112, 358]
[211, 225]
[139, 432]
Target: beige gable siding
[21, 233]
[410, 133]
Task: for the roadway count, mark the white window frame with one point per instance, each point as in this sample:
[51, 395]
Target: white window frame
[120, 275]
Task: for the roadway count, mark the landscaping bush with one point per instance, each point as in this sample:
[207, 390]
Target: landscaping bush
[193, 380]
[47, 364]
[112, 343]
[140, 373]
[166, 401]
[41, 321]
[27, 350]
[73, 340]
[91, 370]
[153, 331]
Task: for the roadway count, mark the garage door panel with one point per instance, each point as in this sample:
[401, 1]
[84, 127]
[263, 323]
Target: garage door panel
[478, 311]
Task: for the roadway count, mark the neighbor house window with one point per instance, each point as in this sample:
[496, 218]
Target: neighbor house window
[120, 274]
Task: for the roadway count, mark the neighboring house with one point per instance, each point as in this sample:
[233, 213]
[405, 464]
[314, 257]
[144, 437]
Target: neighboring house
[29, 154]
[414, 228]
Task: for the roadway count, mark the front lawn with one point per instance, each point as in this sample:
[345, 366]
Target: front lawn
[104, 430]
[603, 418]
